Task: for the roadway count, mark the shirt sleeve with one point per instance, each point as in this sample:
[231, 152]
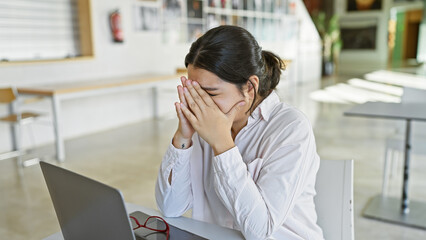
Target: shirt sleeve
[260, 207]
[174, 199]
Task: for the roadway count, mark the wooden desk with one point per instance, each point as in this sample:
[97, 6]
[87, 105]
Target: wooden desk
[71, 90]
[203, 229]
[391, 209]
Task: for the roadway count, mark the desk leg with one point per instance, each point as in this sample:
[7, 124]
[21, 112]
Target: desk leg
[155, 102]
[407, 148]
[396, 210]
[13, 130]
[60, 150]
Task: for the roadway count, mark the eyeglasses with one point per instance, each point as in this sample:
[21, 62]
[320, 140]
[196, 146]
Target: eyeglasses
[154, 223]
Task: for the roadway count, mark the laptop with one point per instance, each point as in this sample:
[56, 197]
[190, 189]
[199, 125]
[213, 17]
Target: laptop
[87, 209]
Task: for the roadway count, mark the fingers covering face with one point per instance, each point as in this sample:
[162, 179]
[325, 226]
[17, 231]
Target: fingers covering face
[194, 94]
[203, 94]
[192, 104]
[189, 115]
[181, 92]
[194, 97]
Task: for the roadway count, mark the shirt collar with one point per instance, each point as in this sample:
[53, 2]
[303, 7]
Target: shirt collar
[264, 109]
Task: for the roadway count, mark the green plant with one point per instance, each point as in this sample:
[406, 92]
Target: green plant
[329, 31]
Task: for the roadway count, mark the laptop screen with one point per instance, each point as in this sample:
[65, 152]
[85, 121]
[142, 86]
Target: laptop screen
[86, 209]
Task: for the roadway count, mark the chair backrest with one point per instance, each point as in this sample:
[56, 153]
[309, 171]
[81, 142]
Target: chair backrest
[413, 95]
[7, 95]
[334, 199]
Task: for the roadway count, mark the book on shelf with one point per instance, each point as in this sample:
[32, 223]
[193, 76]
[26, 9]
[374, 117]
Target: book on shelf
[195, 8]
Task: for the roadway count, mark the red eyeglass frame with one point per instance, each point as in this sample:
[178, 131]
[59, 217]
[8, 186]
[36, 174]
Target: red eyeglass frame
[167, 230]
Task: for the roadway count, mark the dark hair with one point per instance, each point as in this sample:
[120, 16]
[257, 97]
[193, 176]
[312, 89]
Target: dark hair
[233, 54]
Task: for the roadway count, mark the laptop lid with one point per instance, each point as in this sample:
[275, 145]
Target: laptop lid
[86, 209]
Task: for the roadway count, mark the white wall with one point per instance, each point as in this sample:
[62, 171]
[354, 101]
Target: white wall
[136, 55]
[141, 52]
[309, 48]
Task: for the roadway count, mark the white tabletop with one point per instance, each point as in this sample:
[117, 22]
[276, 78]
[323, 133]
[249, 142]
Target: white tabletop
[206, 230]
[412, 111]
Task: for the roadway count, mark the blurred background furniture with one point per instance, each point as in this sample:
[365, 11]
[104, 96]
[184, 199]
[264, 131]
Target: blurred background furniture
[395, 145]
[16, 119]
[397, 210]
[65, 91]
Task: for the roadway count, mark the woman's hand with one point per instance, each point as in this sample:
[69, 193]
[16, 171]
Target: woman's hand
[207, 119]
[183, 135]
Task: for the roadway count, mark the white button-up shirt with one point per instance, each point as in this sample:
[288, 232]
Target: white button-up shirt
[264, 186]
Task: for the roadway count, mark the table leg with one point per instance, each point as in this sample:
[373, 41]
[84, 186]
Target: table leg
[407, 148]
[13, 130]
[396, 210]
[155, 102]
[60, 150]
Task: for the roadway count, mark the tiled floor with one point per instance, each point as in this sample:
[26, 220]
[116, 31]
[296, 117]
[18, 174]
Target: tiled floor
[128, 158]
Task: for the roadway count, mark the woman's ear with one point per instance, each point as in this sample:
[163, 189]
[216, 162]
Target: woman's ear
[252, 85]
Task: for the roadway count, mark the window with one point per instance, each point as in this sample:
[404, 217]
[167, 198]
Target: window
[42, 29]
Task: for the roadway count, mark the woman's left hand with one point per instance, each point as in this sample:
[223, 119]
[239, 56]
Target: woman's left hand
[207, 119]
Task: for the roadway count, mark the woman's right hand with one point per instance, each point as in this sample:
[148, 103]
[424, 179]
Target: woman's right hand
[183, 135]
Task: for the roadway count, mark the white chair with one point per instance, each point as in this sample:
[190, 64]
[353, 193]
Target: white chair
[394, 146]
[334, 199]
[16, 119]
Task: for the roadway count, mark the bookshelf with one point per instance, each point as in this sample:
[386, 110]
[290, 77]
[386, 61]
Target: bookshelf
[264, 19]
[281, 26]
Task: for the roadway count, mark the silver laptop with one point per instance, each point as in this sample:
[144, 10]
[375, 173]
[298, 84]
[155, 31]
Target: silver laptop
[86, 209]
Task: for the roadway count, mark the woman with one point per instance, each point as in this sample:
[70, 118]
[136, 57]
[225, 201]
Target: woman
[240, 158]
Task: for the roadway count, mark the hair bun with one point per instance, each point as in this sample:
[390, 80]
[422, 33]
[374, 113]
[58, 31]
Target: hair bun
[272, 71]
